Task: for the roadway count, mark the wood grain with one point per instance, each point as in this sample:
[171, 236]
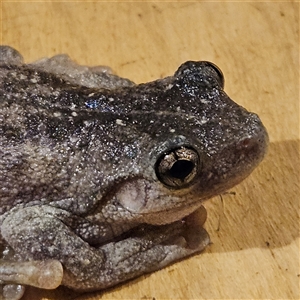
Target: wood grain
[255, 227]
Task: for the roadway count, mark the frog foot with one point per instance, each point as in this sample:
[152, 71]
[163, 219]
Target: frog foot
[46, 274]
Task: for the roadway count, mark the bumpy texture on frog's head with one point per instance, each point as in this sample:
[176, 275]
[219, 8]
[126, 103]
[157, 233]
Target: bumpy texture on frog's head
[196, 139]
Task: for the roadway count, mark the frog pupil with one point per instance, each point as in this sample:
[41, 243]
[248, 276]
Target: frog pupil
[181, 169]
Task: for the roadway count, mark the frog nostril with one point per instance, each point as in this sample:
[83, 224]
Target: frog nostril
[253, 147]
[178, 167]
[246, 143]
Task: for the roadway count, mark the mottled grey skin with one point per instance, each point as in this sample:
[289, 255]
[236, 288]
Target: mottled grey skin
[80, 151]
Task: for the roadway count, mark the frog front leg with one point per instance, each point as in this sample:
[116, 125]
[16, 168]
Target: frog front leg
[40, 236]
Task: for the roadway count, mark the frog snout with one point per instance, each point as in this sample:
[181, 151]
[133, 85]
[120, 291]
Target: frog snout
[256, 143]
[253, 146]
[259, 138]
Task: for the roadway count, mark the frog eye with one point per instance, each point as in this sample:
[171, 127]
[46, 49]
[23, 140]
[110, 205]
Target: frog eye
[200, 73]
[178, 167]
[219, 73]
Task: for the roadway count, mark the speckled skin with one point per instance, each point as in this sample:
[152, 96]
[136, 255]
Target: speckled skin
[78, 154]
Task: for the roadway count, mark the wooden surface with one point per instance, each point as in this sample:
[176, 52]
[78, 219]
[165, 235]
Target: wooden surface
[255, 232]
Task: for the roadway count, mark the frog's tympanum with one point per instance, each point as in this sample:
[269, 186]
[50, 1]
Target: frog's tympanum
[101, 179]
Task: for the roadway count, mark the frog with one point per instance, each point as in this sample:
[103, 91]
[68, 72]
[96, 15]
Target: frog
[103, 180]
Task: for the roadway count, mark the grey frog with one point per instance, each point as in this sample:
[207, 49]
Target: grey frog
[102, 180]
